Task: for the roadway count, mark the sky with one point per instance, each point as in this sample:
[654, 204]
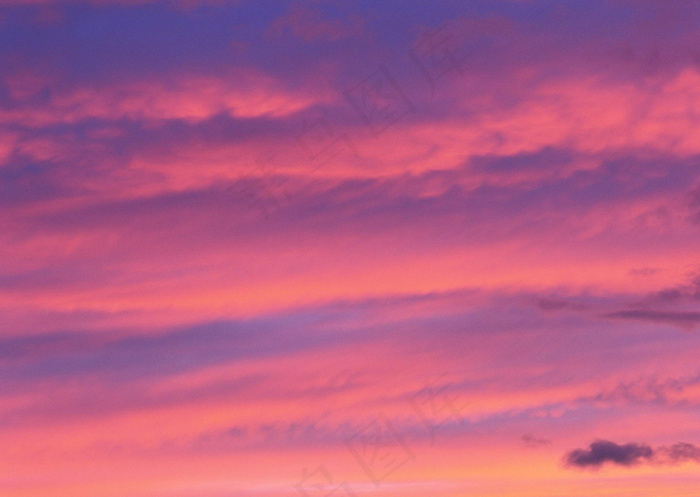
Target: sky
[297, 248]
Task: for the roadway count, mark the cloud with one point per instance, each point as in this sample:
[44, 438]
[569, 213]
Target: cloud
[644, 271]
[550, 304]
[675, 305]
[685, 293]
[534, 442]
[680, 453]
[192, 99]
[602, 452]
[676, 318]
[310, 24]
[695, 205]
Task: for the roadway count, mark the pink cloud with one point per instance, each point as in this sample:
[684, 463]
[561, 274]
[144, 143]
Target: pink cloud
[191, 99]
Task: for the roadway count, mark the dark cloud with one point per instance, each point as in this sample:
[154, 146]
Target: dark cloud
[533, 441]
[601, 452]
[644, 271]
[695, 206]
[682, 319]
[541, 160]
[683, 293]
[672, 305]
[604, 451]
[553, 304]
[680, 453]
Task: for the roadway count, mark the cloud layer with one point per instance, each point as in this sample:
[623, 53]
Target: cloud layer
[246, 243]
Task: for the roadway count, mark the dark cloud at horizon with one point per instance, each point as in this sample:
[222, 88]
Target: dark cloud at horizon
[602, 452]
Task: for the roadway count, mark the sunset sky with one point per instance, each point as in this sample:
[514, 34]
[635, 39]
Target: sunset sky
[349, 248]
